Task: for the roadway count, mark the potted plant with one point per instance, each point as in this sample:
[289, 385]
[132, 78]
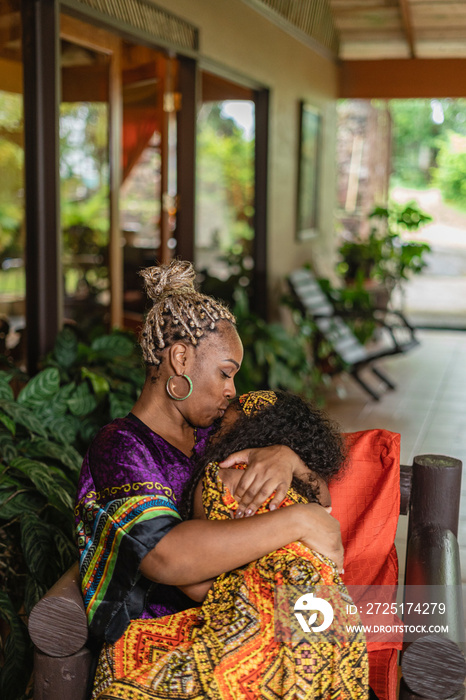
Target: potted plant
[385, 258]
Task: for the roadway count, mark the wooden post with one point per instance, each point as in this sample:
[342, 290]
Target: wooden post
[58, 627]
[186, 158]
[44, 288]
[56, 678]
[436, 492]
[259, 297]
[433, 665]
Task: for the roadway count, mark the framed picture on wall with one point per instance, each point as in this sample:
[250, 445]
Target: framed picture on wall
[310, 134]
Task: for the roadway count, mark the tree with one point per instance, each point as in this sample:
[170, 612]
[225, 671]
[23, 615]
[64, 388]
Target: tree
[420, 128]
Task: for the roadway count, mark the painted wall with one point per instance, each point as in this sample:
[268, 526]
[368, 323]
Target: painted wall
[240, 39]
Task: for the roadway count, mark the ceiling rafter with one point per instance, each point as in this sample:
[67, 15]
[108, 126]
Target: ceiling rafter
[408, 26]
[400, 28]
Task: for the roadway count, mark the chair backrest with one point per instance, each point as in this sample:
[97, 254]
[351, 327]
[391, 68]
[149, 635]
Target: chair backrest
[366, 502]
[310, 294]
[334, 329]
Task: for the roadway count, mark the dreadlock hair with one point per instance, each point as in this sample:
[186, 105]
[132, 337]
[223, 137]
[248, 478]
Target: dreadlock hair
[290, 421]
[179, 312]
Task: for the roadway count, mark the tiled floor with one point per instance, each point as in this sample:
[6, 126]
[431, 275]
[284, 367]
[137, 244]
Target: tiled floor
[428, 408]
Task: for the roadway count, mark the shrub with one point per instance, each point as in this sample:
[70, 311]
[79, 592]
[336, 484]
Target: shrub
[44, 431]
[274, 358]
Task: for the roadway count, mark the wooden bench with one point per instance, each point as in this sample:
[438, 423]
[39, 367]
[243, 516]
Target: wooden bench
[430, 495]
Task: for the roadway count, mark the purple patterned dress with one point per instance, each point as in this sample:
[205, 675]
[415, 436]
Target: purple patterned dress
[130, 484]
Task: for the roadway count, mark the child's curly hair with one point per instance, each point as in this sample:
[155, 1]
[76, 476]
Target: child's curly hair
[290, 421]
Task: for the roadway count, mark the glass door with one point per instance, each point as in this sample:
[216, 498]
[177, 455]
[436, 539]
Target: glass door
[85, 184]
[118, 171]
[12, 205]
[225, 228]
[148, 189]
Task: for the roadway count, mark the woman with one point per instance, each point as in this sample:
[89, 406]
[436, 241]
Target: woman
[130, 533]
[244, 642]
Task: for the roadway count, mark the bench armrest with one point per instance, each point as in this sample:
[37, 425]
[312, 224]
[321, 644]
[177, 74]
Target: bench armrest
[57, 623]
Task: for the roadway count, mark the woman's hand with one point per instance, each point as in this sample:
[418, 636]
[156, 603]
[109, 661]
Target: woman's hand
[270, 469]
[321, 532]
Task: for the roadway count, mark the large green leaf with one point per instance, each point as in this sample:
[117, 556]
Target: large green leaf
[63, 428]
[64, 480]
[17, 652]
[99, 383]
[39, 549]
[9, 483]
[124, 388]
[40, 388]
[71, 458]
[8, 449]
[88, 428]
[7, 491]
[66, 550]
[113, 345]
[8, 423]
[34, 591]
[18, 503]
[82, 402]
[40, 447]
[66, 347]
[25, 417]
[133, 375]
[120, 405]
[6, 392]
[58, 406]
[42, 477]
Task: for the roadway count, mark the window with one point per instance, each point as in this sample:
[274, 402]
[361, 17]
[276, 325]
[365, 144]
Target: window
[12, 232]
[225, 227]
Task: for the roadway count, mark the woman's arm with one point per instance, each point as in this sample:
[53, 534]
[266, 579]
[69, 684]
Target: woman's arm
[197, 550]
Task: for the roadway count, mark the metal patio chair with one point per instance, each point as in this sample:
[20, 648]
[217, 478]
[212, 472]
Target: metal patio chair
[396, 334]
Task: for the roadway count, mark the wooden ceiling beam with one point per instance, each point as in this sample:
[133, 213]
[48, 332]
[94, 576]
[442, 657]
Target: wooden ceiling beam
[408, 25]
[406, 78]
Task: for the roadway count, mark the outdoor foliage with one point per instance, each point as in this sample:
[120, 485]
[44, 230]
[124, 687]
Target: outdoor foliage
[369, 269]
[274, 358]
[11, 162]
[226, 173]
[385, 256]
[44, 432]
[420, 131]
[225, 193]
[450, 175]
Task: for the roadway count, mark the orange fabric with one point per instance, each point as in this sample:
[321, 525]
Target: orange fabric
[366, 502]
[383, 673]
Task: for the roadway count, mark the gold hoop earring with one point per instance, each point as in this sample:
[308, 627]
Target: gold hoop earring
[179, 398]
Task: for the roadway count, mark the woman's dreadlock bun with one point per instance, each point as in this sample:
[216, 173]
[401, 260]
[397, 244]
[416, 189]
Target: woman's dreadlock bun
[179, 311]
[164, 279]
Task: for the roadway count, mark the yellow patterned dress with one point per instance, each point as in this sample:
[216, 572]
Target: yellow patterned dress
[243, 643]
